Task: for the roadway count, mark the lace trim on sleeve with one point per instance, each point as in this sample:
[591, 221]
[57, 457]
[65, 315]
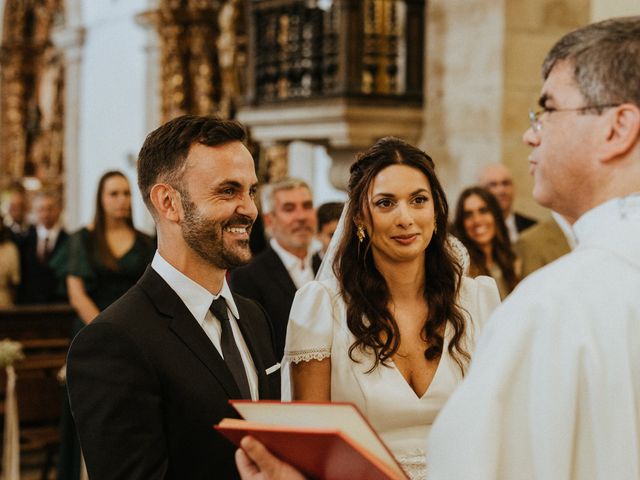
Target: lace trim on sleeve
[298, 356]
[414, 464]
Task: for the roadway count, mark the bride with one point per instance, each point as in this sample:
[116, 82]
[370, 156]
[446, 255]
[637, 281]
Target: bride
[391, 323]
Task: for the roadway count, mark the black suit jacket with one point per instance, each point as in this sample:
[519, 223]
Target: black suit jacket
[146, 386]
[266, 280]
[523, 222]
[316, 261]
[38, 282]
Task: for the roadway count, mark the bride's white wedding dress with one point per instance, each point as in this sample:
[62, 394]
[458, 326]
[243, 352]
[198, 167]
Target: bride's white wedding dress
[317, 330]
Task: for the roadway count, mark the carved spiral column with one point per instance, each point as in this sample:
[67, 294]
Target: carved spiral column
[13, 142]
[274, 164]
[201, 55]
[32, 92]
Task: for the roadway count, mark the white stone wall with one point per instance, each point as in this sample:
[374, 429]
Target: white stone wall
[602, 9]
[112, 106]
[463, 85]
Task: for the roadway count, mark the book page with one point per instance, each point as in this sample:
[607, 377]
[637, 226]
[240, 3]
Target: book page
[337, 416]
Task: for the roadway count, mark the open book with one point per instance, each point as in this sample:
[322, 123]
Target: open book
[329, 441]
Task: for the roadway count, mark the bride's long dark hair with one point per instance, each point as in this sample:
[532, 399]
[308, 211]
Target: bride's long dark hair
[363, 287]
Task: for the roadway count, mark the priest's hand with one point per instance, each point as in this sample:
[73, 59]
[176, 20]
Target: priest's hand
[255, 462]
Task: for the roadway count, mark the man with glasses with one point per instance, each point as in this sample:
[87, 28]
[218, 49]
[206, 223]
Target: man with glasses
[554, 386]
[553, 391]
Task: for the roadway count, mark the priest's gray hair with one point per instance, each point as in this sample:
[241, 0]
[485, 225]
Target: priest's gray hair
[606, 60]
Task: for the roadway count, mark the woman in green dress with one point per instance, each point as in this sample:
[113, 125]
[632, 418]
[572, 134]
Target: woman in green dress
[101, 262]
[108, 257]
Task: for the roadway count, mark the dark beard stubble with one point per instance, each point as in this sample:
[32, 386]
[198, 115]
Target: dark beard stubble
[205, 237]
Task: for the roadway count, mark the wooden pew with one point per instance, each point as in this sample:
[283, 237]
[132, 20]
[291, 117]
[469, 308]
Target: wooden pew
[43, 331]
[36, 321]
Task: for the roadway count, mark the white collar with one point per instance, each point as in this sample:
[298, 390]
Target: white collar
[196, 298]
[566, 228]
[44, 232]
[289, 260]
[595, 220]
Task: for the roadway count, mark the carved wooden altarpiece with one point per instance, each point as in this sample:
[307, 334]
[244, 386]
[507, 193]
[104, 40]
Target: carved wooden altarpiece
[31, 93]
[202, 55]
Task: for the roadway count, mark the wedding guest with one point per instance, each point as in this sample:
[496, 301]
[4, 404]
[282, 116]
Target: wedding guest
[38, 283]
[107, 257]
[497, 178]
[9, 267]
[16, 210]
[274, 275]
[480, 227]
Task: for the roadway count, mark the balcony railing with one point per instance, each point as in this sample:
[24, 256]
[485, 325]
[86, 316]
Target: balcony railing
[310, 49]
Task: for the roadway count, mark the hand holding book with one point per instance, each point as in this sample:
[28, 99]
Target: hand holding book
[331, 441]
[255, 462]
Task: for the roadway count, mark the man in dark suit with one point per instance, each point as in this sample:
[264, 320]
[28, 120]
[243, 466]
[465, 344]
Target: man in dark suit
[273, 276]
[543, 243]
[498, 180]
[154, 372]
[16, 206]
[38, 282]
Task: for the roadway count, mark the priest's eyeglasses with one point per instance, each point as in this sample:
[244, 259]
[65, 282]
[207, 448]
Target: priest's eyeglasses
[535, 117]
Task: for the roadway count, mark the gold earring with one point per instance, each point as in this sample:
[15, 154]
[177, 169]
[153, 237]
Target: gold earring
[360, 233]
[435, 227]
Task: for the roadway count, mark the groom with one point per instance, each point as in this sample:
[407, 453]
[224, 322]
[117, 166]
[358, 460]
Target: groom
[152, 374]
[554, 386]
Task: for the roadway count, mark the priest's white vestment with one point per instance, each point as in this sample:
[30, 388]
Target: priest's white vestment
[553, 391]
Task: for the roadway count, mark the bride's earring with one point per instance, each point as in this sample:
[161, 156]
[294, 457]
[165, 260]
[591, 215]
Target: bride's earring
[360, 233]
[435, 227]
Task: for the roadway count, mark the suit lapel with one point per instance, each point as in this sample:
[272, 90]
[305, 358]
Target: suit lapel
[251, 340]
[187, 329]
[278, 272]
[316, 261]
[59, 241]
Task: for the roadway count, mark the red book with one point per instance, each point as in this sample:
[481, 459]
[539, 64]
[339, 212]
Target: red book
[328, 441]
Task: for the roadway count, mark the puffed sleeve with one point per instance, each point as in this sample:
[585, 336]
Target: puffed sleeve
[310, 328]
[72, 257]
[79, 263]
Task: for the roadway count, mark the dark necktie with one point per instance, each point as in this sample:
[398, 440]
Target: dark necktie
[229, 347]
[44, 254]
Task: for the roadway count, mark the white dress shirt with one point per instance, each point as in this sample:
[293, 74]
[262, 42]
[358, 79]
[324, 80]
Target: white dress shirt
[47, 237]
[300, 270]
[566, 229]
[510, 222]
[198, 299]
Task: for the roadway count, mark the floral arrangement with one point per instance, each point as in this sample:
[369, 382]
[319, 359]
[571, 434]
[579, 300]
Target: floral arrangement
[10, 352]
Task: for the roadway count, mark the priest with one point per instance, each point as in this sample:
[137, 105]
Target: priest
[554, 386]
